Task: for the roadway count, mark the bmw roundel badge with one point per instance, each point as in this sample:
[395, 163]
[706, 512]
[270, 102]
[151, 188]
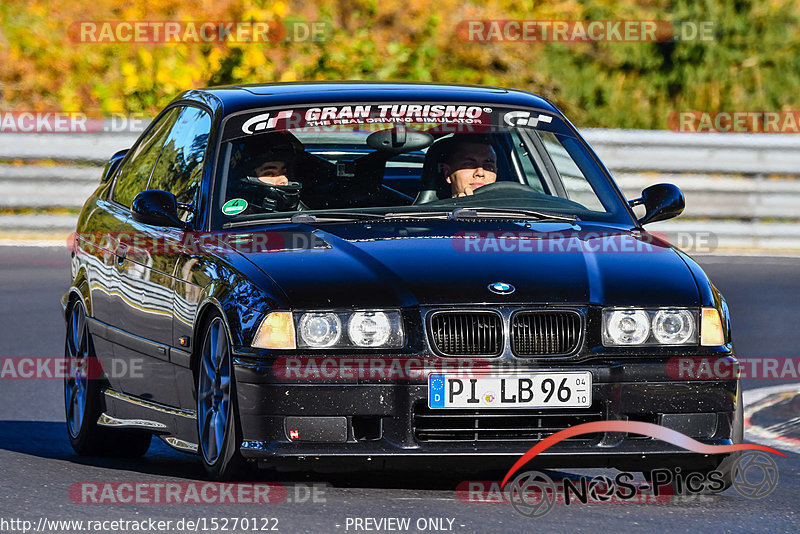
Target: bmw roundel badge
[501, 288]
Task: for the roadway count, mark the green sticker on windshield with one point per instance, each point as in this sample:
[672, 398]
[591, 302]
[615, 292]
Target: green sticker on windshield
[234, 206]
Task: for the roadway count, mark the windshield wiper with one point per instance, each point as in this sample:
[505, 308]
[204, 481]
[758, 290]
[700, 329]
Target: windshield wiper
[466, 214]
[509, 213]
[419, 215]
[306, 217]
[458, 214]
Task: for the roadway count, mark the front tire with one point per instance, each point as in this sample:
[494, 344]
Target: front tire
[83, 398]
[217, 413]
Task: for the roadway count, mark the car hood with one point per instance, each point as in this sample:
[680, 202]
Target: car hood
[382, 264]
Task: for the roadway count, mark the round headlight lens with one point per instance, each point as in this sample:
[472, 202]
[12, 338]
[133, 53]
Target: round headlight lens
[369, 329]
[673, 327]
[628, 327]
[320, 329]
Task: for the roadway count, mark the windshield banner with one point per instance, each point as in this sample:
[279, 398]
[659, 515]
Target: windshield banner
[436, 118]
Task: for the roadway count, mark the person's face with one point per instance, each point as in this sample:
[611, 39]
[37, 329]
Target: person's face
[471, 166]
[273, 172]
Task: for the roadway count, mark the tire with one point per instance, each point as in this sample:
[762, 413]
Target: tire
[218, 427]
[83, 398]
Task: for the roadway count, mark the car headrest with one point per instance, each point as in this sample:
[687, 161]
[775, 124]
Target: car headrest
[432, 183]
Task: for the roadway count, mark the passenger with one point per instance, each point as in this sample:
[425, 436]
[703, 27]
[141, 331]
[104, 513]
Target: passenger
[275, 168]
[469, 163]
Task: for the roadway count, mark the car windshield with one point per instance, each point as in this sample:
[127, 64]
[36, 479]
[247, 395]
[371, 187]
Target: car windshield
[343, 161]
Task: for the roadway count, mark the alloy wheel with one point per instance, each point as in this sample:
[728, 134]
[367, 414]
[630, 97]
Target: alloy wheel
[214, 390]
[76, 380]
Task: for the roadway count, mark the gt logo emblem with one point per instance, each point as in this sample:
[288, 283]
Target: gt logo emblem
[264, 121]
[523, 118]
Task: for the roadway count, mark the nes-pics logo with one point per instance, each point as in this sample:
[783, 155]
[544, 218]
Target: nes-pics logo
[523, 118]
[264, 121]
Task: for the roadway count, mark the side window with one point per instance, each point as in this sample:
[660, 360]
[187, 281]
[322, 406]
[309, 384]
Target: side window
[575, 183]
[180, 166]
[132, 178]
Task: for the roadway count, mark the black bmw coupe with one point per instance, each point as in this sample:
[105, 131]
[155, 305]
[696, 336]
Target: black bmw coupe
[387, 271]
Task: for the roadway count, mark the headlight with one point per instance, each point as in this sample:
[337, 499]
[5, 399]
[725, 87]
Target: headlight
[350, 329]
[626, 327]
[376, 329]
[673, 327]
[319, 330]
[645, 326]
[381, 329]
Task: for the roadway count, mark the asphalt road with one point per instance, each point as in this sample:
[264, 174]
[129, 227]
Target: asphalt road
[39, 467]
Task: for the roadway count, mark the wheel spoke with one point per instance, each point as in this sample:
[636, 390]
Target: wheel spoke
[71, 403]
[212, 344]
[224, 368]
[75, 411]
[80, 328]
[219, 430]
[74, 325]
[221, 348]
[209, 368]
[213, 444]
[225, 384]
[81, 407]
[72, 335]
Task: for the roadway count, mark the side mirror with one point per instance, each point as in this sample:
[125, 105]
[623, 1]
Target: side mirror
[113, 165]
[661, 202]
[156, 208]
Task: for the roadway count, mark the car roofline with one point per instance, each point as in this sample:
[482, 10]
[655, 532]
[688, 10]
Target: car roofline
[239, 97]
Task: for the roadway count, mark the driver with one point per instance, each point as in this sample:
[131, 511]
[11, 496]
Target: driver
[469, 163]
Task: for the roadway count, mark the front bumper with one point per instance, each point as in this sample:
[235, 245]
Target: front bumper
[381, 418]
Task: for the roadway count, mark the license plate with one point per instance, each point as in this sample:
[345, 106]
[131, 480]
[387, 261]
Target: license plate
[535, 390]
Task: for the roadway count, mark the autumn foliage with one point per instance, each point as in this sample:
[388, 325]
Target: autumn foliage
[752, 63]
